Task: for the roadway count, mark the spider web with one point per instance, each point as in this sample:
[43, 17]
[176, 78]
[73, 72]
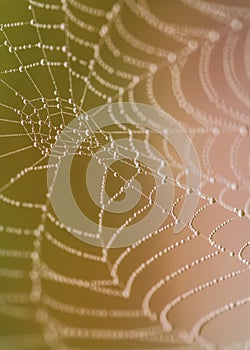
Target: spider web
[58, 61]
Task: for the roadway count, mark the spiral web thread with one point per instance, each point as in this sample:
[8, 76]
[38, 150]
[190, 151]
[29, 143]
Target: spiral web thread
[64, 58]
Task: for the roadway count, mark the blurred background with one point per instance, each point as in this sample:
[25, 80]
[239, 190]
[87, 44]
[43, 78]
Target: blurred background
[59, 59]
